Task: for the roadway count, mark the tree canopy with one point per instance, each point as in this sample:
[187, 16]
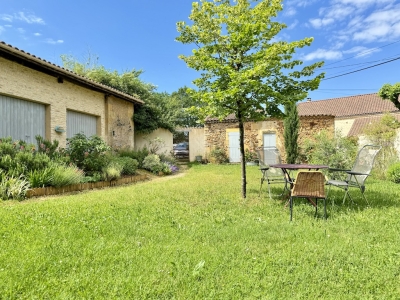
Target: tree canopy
[245, 69]
[161, 110]
[391, 92]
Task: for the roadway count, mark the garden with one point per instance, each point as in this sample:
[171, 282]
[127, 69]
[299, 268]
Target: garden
[85, 159]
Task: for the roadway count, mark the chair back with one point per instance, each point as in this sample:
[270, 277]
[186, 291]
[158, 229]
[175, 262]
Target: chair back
[309, 184]
[364, 163]
[267, 156]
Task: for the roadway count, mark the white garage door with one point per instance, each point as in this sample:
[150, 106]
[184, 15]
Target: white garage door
[80, 123]
[22, 120]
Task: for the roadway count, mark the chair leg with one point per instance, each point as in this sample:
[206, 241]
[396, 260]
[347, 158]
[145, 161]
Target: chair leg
[291, 207]
[365, 199]
[262, 180]
[325, 208]
[316, 207]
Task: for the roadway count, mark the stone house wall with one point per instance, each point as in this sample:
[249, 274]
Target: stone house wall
[114, 115]
[216, 132]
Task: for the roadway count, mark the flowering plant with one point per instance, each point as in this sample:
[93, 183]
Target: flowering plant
[250, 155]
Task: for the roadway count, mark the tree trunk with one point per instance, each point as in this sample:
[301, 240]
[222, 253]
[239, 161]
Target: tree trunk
[242, 159]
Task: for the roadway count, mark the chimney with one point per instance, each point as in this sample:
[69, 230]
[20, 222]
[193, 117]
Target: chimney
[308, 99]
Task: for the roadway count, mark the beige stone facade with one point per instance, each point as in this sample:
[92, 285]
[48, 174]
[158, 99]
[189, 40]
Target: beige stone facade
[64, 91]
[216, 133]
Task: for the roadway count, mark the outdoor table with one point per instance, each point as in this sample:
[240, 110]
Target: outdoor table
[287, 168]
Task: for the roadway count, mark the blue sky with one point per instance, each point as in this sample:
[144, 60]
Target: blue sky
[130, 34]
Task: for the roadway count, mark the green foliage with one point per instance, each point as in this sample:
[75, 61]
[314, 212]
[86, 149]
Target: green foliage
[335, 151]
[219, 155]
[393, 172]
[129, 165]
[41, 178]
[250, 156]
[88, 153]
[47, 147]
[391, 93]
[12, 187]
[383, 133]
[138, 155]
[245, 70]
[66, 175]
[153, 163]
[291, 125]
[113, 170]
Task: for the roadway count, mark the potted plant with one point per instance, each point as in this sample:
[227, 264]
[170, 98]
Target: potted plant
[250, 157]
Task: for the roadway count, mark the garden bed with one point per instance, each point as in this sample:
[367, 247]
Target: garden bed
[48, 191]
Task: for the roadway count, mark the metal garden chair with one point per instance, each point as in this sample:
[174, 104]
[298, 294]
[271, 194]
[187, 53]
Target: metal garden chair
[310, 185]
[358, 174]
[268, 156]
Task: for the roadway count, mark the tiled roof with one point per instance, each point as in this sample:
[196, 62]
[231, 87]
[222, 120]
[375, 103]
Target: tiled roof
[347, 106]
[33, 61]
[360, 123]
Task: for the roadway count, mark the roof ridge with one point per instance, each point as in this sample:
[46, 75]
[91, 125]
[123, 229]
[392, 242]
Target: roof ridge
[33, 57]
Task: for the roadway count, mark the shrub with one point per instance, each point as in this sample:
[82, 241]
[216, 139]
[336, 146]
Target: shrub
[66, 175]
[41, 178]
[47, 147]
[153, 164]
[336, 152]
[88, 154]
[112, 171]
[13, 187]
[129, 165]
[139, 155]
[219, 155]
[393, 172]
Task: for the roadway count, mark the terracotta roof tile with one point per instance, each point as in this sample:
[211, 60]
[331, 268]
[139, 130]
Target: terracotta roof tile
[359, 124]
[34, 60]
[347, 106]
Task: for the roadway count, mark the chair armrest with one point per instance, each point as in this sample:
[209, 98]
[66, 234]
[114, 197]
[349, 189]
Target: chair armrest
[264, 168]
[337, 170]
[356, 173]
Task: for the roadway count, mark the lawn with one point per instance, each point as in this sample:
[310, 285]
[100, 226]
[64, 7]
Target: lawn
[194, 237]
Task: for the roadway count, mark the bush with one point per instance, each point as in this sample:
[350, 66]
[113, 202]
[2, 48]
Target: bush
[13, 187]
[41, 178]
[336, 152]
[112, 171]
[129, 165]
[66, 175]
[139, 155]
[153, 164]
[393, 173]
[88, 154]
[219, 156]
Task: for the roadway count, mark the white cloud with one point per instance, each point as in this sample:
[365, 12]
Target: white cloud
[323, 54]
[361, 51]
[37, 34]
[1, 29]
[290, 11]
[319, 23]
[21, 30]
[301, 3]
[53, 42]
[7, 18]
[21, 16]
[364, 3]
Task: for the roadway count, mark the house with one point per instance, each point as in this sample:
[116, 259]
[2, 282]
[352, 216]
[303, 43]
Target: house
[40, 98]
[351, 113]
[261, 134]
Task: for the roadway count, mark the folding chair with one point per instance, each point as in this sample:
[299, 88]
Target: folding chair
[358, 174]
[310, 185]
[268, 156]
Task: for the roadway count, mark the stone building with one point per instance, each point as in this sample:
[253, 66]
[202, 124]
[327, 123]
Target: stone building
[261, 134]
[40, 98]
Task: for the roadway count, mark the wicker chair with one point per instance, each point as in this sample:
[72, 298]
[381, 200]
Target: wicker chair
[310, 185]
[358, 174]
[270, 175]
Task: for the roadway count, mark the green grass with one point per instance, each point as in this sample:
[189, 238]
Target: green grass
[194, 237]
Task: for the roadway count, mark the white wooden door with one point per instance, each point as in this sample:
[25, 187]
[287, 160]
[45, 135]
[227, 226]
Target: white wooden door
[234, 147]
[269, 142]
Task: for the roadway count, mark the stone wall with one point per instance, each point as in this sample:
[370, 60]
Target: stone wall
[216, 132]
[114, 115]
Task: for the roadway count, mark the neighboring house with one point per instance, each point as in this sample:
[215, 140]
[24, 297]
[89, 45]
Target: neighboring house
[261, 134]
[40, 98]
[351, 113]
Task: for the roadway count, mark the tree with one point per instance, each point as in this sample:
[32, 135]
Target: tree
[391, 92]
[183, 101]
[291, 132]
[156, 112]
[245, 69]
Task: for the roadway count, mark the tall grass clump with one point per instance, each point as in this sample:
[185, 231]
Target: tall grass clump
[66, 175]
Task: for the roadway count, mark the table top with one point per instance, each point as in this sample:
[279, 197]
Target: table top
[299, 166]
